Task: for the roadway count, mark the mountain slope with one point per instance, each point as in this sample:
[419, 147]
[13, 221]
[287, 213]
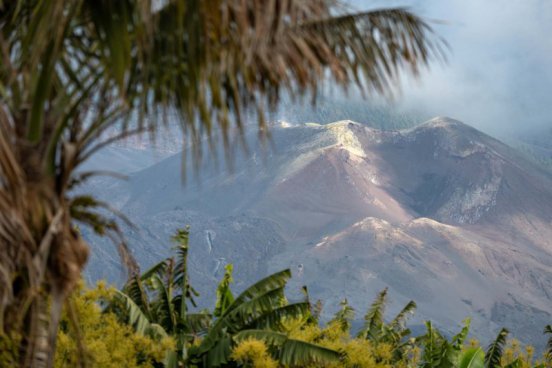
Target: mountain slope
[441, 213]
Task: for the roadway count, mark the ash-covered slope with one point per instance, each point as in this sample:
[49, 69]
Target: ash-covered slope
[440, 213]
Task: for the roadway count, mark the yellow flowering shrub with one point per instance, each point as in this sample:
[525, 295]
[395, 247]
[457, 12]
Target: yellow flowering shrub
[525, 354]
[253, 353]
[358, 353]
[98, 338]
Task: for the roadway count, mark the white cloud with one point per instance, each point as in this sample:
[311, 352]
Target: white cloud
[499, 75]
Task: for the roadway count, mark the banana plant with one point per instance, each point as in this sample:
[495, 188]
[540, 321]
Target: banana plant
[344, 316]
[394, 333]
[439, 352]
[259, 313]
[156, 302]
[495, 350]
[472, 358]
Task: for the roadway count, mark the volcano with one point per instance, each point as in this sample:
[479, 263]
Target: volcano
[440, 213]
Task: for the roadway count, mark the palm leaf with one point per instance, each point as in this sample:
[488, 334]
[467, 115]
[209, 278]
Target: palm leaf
[72, 70]
[296, 353]
[495, 349]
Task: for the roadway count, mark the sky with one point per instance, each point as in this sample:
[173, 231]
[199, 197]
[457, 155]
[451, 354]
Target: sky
[499, 72]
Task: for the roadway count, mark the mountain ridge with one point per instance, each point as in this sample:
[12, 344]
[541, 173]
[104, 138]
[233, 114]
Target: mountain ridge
[441, 213]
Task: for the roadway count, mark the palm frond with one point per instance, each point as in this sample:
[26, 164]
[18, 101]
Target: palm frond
[103, 70]
[493, 355]
[84, 209]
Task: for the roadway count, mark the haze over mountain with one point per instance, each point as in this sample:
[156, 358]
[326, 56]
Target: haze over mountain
[439, 213]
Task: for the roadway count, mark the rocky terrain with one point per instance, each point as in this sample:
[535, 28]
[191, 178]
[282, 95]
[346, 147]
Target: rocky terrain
[439, 213]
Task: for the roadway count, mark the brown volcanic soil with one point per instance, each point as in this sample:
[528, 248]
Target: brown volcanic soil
[441, 213]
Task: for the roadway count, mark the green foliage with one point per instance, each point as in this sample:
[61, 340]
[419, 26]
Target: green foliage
[494, 352]
[95, 338]
[344, 316]
[291, 352]
[439, 352]
[77, 75]
[259, 328]
[259, 312]
[548, 352]
[253, 353]
[394, 333]
[155, 303]
[224, 294]
[373, 320]
[472, 358]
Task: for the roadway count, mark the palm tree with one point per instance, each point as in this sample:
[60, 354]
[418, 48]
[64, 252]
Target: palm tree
[76, 75]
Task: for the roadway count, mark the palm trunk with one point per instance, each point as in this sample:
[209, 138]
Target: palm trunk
[46, 255]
